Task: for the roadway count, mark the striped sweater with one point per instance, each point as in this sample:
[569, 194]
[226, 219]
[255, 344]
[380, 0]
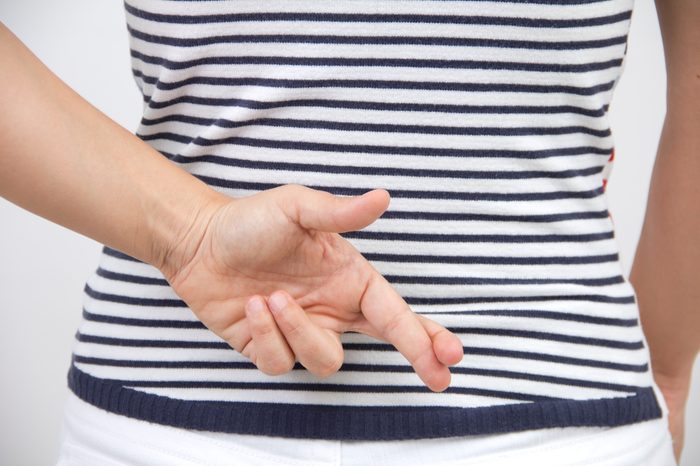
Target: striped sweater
[486, 120]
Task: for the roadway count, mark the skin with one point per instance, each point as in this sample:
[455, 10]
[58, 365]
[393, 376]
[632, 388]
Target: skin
[665, 271]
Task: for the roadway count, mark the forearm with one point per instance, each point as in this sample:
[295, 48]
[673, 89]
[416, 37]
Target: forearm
[64, 160]
[666, 268]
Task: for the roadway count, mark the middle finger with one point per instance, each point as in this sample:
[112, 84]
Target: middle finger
[271, 354]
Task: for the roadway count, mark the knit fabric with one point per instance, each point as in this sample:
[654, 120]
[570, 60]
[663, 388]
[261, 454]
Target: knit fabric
[487, 122]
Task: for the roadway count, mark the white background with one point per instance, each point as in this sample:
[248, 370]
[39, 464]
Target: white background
[43, 266]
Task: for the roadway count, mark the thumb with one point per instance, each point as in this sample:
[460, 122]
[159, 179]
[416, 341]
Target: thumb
[321, 210]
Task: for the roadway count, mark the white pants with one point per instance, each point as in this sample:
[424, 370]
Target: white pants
[94, 437]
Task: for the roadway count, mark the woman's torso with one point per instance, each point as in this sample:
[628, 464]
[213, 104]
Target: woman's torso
[487, 123]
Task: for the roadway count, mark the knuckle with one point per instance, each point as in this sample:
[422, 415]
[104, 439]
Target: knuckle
[244, 348]
[287, 200]
[238, 336]
[265, 329]
[393, 326]
[293, 329]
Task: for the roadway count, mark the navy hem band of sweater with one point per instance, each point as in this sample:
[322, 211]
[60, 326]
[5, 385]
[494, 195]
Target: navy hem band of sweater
[356, 422]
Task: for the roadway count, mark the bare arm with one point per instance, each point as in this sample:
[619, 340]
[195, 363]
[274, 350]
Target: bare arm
[666, 268]
[66, 161]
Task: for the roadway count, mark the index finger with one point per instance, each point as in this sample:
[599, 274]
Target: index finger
[387, 311]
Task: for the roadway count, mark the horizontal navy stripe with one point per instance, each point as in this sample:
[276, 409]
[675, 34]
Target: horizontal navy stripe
[112, 341]
[132, 300]
[328, 387]
[378, 62]
[440, 259]
[466, 216]
[547, 315]
[510, 260]
[358, 368]
[627, 345]
[380, 18]
[119, 255]
[384, 171]
[371, 347]
[456, 280]
[374, 105]
[594, 298]
[409, 279]
[527, 313]
[154, 323]
[162, 302]
[377, 40]
[456, 330]
[430, 258]
[130, 278]
[496, 352]
[378, 149]
[242, 365]
[416, 194]
[374, 84]
[381, 127]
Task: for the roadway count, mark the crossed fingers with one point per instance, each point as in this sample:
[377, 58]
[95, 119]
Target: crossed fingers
[283, 332]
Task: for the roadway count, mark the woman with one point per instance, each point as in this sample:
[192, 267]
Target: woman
[498, 232]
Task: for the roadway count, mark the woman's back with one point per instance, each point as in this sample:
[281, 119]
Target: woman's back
[498, 226]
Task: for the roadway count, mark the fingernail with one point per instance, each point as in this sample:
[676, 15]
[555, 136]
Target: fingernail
[255, 306]
[277, 301]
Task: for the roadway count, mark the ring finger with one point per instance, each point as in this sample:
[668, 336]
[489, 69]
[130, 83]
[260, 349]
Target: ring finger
[271, 353]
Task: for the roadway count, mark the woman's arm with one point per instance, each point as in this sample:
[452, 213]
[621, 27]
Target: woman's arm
[66, 161]
[666, 268]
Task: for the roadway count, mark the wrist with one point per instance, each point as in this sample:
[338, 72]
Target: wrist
[177, 230]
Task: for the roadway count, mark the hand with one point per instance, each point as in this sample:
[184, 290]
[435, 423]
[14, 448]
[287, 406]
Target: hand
[675, 391]
[286, 239]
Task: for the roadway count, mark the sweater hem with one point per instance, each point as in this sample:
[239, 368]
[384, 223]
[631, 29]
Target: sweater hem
[343, 422]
